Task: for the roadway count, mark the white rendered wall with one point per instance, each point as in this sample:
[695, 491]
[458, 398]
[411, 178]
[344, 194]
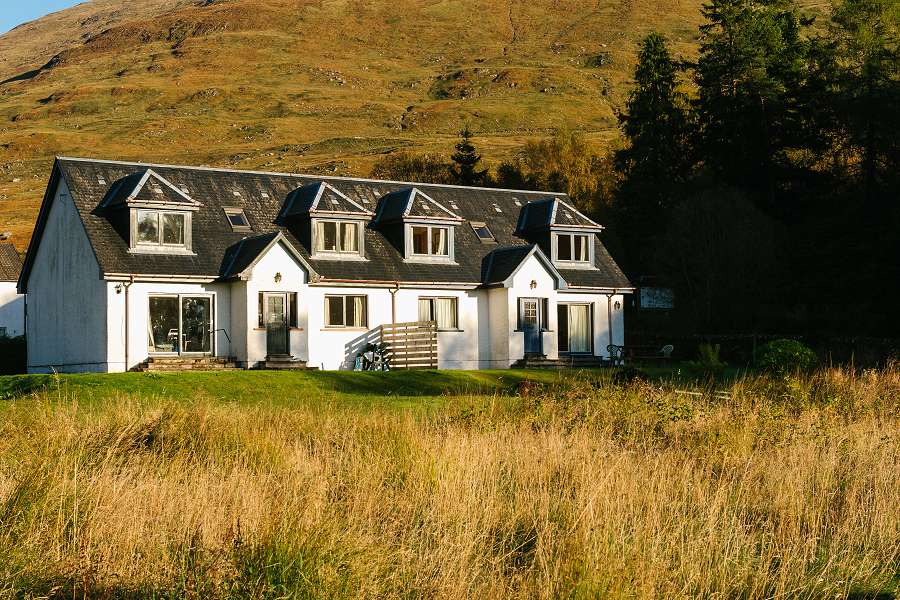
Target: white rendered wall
[12, 309]
[139, 315]
[66, 299]
[277, 260]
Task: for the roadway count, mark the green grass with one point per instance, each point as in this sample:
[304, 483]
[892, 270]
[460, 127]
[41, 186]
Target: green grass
[399, 388]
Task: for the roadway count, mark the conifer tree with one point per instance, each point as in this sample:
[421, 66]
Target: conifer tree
[466, 158]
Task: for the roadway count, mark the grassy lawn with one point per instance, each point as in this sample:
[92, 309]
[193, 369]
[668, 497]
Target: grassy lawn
[449, 485]
[409, 389]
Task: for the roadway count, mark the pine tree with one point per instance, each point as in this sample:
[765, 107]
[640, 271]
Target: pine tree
[657, 159]
[466, 159]
[750, 76]
[866, 35]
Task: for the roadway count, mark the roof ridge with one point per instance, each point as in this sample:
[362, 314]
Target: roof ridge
[305, 175]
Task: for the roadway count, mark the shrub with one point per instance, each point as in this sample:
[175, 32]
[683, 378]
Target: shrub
[786, 356]
[708, 363]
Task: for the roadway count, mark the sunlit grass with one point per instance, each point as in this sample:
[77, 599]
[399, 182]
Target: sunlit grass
[573, 487]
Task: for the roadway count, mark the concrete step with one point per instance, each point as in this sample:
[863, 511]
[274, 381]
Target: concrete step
[285, 363]
[187, 363]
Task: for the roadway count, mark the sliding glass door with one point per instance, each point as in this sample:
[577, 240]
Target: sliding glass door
[180, 324]
[574, 323]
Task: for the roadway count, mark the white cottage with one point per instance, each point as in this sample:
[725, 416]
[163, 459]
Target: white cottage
[12, 304]
[134, 265]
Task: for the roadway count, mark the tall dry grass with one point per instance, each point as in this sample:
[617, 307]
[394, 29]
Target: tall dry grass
[787, 489]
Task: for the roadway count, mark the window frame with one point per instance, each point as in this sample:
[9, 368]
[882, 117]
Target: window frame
[476, 225]
[431, 300]
[137, 245]
[346, 297]
[572, 262]
[337, 253]
[290, 308]
[411, 255]
[231, 211]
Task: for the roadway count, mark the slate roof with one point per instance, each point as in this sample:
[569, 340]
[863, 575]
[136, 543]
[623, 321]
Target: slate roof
[146, 188]
[411, 203]
[10, 263]
[502, 262]
[321, 197]
[542, 214]
[262, 196]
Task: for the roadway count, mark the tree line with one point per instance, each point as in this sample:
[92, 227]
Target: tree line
[761, 180]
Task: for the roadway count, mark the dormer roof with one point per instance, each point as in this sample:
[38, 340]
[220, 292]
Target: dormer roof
[415, 205]
[148, 189]
[321, 199]
[549, 213]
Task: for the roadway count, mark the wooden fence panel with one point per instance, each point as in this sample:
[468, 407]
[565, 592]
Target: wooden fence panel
[411, 345]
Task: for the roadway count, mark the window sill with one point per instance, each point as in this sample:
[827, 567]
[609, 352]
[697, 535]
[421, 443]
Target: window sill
[561, 264]
[430, 260]
[338, 256]
[451, 330]
[338, 328]
[164, 250]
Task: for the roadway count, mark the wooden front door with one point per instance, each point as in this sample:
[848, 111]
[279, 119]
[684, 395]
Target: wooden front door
[530, 324]
[276, 324]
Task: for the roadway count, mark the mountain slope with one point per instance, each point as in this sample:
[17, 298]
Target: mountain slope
[309, 85]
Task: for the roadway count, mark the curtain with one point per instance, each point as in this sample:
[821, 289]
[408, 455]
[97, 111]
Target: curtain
[348, 237]
[424, 309]
[579, 328]
[581, 249]
[445, 313]
[439, 241]
[359, 311]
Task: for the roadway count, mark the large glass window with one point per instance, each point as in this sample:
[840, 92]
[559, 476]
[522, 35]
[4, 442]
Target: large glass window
[430, 241]
[572, 247]
[180, 324]
[159, 228]
[441, 310]
[163, 330]
[337, 236]
[346, 311]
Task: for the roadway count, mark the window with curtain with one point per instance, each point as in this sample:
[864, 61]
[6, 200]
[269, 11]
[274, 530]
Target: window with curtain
[337, 236]
[428, 240]
[572, 247]
[346, 311]
[441, 310]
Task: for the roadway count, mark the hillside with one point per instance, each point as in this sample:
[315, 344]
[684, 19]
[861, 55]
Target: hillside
[309, 85]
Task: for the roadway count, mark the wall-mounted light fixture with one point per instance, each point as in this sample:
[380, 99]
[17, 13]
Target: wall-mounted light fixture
[617, 305]
[277, 277]
[119, 288]
[533, 284]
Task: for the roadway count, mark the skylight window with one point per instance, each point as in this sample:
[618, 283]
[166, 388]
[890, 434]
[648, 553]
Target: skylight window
[237, 219]
[485, 235]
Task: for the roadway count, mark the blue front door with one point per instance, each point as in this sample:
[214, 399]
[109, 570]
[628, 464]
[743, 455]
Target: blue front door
[530, 323]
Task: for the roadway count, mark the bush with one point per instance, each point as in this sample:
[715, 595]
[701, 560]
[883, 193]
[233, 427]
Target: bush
[782, 357]
[708, 363]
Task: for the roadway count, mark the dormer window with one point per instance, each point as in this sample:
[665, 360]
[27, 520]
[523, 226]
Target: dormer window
[572, 247]
[160, 229]
[429, 240]
[338, 236]
[159, 213]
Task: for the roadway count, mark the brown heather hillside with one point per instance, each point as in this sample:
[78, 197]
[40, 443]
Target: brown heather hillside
[309, 85]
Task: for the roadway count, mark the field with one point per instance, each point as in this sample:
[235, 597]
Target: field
[449, 485]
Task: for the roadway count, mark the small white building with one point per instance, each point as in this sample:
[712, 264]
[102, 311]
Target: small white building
[134, 263]
[12, 303]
